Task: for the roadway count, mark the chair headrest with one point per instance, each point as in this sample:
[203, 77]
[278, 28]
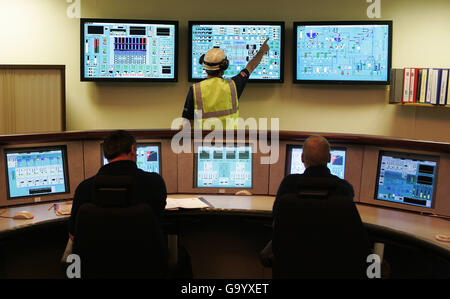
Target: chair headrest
[113, 191]
[316, 187]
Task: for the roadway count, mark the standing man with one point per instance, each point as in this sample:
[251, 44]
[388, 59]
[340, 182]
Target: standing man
[215, 97]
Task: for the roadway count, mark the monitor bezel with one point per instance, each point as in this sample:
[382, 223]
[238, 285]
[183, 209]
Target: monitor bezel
[83, 21]
[342, 82]
[62, 148]
[236, 144]
[412, 156]
[255, 23]
[138, 144]
[289, 147]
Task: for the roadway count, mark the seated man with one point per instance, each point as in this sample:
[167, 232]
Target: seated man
[315, 156]
[120, 150]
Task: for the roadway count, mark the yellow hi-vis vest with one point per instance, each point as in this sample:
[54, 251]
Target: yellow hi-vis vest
[216, 98]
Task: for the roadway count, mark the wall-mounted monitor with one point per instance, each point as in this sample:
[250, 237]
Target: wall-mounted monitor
[342, 52]
[240, 41]
[128, 50]
[406, 178]
[148, 157]
[294, 164]
[223, 167]
[39, 171]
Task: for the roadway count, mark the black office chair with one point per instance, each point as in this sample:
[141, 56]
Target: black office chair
[318, 234]
[117, 238]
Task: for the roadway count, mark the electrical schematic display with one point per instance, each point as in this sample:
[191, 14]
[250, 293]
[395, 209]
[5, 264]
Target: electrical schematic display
[224, 167]
[241, 42]
[336, 164]
[36, 172]
[353, 52]
[128, 50]
[406, 180]
[147, 158]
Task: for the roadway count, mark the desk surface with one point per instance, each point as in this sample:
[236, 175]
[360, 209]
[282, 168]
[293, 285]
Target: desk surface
[423, 227]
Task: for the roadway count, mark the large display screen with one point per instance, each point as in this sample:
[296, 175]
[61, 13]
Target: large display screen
[296, 166]
[36, 171]
[343, 52]
[223, 167]
[240, 41]
[128, 50]
[148, 157]
[406, 178]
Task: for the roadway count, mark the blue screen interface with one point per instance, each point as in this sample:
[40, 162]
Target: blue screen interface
[342, 53]
[224, 167]
[407, 181]
[129, 51]
[36, 173]
[147, 158]
[336, 164]
[241, 43]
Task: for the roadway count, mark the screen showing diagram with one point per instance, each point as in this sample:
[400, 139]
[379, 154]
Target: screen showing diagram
[241, 42]
[147, 157]
[343, 52]
[119, 49]
[224, 167]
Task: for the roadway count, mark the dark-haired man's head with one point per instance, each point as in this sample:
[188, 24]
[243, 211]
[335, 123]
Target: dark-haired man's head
[120, 145]
[316, 151]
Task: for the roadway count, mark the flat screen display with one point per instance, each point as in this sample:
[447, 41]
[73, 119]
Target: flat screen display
[343, 52]
[148, 157]
[240, 41]
[223, 167]
[36, 172]
[128, 50]
[336, 164]
[406, 179]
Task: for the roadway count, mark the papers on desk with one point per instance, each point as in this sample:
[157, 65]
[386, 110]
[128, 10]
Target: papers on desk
[62, 209]
[185, 203]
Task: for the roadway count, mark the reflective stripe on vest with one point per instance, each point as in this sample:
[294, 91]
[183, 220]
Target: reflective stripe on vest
[218, 113]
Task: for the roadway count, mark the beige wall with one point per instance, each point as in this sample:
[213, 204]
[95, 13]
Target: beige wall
[39, 32]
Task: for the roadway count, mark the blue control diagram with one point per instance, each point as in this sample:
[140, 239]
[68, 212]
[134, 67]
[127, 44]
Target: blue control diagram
[343, 52]
[147, 158]
[336, 164]
[131, 51]
[240, 43]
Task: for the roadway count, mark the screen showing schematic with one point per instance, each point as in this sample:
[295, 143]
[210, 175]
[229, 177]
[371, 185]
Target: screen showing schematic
[34, 173]
[147, 158]
[241, 43]
[406, 180]
[336, 164]
[223, 167]
[343, 53]
[128, 51]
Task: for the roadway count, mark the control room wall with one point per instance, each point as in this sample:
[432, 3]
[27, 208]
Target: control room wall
[42, 32]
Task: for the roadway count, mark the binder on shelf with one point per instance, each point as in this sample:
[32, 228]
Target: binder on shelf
[423, 86]
[406, 84]
[448, 90]
[396, 88]
[443, 87]
[414, 74]
[435, 88]
[429, 86]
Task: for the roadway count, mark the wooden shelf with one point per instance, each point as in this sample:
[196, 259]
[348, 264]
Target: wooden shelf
[420, 105]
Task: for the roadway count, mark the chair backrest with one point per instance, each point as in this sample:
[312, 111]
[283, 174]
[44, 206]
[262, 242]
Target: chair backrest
[119, 240]
[319, 236]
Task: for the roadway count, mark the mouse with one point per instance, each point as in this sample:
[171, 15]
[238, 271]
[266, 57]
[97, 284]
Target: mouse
[23, 215]
[243, 192]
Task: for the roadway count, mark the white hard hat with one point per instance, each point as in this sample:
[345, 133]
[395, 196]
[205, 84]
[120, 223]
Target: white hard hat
[213, 59]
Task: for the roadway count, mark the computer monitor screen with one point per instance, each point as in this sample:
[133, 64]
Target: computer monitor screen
[36, 171]
[406, 178]
[223, 167]
[128, 50]
[148, 157]
[336, 164]
[240, 41]
[343, 52]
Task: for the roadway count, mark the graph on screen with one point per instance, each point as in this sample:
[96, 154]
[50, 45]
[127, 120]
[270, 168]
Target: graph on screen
[336, 164]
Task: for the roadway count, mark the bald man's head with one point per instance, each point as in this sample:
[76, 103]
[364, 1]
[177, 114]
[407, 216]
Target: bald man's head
[316, 151]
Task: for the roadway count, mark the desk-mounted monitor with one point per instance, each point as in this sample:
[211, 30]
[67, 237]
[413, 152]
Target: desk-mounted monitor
[36, 172]
[294, 164]
[342, 52]
[223, 167]
[128, 50]
[148, 157]
[240, 41]
[407, 179]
